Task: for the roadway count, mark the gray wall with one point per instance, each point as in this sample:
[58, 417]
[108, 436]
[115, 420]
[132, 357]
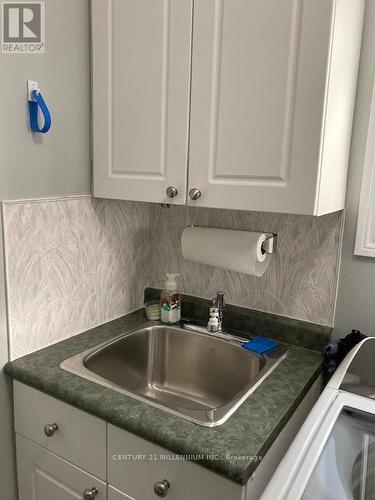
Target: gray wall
[57, 163]
[356, 292]
[7, 466]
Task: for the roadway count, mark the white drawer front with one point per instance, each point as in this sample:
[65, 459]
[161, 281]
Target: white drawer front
[44, 476]
[80, 438]
[132, 469]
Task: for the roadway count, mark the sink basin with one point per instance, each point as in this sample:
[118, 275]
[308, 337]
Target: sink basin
[192, 374]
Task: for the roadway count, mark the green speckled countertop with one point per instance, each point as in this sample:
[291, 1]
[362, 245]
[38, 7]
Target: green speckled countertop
[250, 431]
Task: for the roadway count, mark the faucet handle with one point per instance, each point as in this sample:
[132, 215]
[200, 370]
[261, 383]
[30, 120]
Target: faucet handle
[214, 311]
[219, 300]
[213, 321]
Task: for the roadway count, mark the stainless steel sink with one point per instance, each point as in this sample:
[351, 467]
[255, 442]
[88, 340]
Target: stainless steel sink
[192, 374]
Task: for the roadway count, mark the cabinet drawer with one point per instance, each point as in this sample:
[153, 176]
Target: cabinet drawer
[135, 465]
[80, 437]
[44, 476]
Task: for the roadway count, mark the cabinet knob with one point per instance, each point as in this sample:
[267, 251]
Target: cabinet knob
[161, 488]
[50, 429]
[194, 194]
[90, 493]
[171, 191]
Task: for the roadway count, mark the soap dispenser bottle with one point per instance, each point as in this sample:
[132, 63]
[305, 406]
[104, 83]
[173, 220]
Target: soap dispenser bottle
[170, 301]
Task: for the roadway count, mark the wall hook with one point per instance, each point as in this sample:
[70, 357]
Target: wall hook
[35, 101]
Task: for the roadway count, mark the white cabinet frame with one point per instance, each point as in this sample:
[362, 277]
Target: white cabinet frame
[365, 237]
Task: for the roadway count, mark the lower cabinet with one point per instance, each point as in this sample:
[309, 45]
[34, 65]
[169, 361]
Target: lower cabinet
[147, 472]
[65, 454]
[45, 476]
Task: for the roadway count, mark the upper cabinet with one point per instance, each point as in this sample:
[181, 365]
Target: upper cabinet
[141, 87]
[239, 104]
[273, 86]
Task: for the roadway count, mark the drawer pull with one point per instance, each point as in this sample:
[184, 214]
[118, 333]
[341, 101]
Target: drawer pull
[50, 429]
[161, 488]
[90, 493]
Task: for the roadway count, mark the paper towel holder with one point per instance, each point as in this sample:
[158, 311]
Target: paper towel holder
[269, 245]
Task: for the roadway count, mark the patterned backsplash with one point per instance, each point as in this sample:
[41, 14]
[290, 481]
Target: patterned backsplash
[72, 264]
[300, 281]
[77, 262]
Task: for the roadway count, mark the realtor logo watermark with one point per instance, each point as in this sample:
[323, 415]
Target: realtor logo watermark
[23, 28]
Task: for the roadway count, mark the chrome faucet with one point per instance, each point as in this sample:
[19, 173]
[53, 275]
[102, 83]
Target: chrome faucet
[215, 321]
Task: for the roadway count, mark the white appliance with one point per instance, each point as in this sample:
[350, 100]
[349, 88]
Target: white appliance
[333, 455]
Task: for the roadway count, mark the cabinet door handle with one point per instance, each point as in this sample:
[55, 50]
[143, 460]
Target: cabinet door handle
[161, 488]
[171, 191]
[194, 194]
[50, 429]
[90, 493]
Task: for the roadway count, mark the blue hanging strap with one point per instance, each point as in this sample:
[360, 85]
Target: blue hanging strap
[33, 110]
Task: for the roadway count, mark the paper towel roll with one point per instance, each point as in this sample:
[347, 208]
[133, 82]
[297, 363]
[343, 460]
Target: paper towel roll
[239, 251]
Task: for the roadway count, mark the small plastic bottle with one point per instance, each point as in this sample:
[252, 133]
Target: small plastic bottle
[170, 301]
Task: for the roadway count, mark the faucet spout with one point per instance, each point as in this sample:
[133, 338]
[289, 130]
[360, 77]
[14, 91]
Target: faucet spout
[215, 321]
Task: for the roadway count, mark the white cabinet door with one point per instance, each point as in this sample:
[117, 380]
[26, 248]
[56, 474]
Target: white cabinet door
[267, 77]
[44, 476]
[136, 465]
[141, 86]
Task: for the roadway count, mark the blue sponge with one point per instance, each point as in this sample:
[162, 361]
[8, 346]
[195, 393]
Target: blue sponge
[260, 345]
